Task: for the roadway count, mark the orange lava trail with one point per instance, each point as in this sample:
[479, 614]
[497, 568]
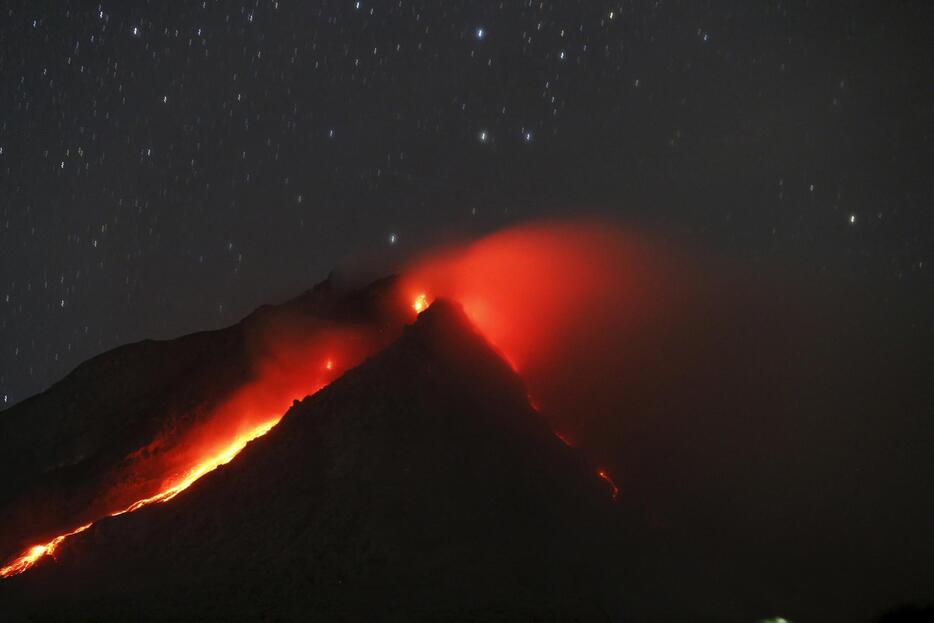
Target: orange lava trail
[605, 476]
[290, 362]
[32, 555]
[211, 463]
[35, 553]
[563, 439]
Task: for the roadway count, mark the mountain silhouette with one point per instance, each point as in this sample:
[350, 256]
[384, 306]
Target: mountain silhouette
[419, 485]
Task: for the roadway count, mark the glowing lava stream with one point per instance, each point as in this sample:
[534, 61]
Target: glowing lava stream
[221, 458]
[35, 553]
[281, 376]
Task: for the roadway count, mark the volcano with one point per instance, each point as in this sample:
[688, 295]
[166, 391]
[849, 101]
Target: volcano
[420, 484]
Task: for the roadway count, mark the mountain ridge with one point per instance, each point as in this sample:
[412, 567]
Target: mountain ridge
[420, 483]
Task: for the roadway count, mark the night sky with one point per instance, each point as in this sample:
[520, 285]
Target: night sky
[166, 167]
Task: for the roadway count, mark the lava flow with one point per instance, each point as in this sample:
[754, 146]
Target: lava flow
[602, 473]
[32, 555]
[35, 553]
[289, 365]
[532, 290]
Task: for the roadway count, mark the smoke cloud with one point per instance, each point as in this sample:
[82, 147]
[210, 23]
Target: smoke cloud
[763, 427]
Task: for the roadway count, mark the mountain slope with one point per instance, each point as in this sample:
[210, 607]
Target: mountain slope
[72, 444]
[419, 485]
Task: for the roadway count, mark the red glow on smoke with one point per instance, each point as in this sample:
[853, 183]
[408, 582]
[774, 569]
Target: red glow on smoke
[574, 307]
[538, 292]
[526, 287]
